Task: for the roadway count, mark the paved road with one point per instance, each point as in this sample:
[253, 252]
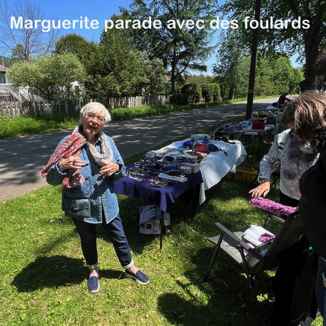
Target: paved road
[21, 158]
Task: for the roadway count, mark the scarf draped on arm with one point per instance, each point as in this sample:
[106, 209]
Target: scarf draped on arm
[72, 145]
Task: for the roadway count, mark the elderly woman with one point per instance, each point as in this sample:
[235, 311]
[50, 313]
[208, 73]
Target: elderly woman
[85, 162]
[310, 124]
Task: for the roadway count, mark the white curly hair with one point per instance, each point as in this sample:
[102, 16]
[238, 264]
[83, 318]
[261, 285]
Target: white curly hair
[95, 107]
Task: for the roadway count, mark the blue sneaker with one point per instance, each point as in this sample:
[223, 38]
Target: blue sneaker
[93, 282]
[139, 277]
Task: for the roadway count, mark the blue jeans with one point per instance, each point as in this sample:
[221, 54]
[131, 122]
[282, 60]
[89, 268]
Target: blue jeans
[321, 287]
[116, 233]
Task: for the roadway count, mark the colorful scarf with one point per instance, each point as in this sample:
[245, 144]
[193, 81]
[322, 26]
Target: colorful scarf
[72, 146]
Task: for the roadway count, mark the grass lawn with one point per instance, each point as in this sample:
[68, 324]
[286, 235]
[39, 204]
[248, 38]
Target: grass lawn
[11, 127]
[244, 99]
[43, 276]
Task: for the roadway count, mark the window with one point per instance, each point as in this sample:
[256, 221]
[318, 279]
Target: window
[2, 78]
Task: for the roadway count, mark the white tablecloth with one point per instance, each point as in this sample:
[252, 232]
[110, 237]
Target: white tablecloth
[217, 164]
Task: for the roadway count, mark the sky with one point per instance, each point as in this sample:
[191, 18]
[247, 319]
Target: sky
[93, 9]
[73, 9]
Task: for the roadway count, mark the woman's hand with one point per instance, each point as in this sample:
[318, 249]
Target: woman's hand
[109, 168]
[71, 163]
[262, 190]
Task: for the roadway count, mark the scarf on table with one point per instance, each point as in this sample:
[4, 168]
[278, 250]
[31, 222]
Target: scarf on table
[72, 145]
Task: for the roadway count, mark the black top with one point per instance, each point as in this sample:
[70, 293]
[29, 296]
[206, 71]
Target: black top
[313, 204]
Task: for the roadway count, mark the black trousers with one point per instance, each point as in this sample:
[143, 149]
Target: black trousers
[286, 200]
[294, 277]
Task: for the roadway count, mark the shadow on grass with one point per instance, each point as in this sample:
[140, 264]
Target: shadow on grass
[227, 298]
[48, 272]
[54, 271]
[218, 311]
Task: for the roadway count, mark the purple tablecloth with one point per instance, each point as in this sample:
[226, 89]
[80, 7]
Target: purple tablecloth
[162, 197]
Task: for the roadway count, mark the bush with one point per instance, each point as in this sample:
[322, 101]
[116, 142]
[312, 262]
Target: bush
[49, 76]
[211, 93]
[179, 99]
[216, 93]
[191, 92]
[206, 93]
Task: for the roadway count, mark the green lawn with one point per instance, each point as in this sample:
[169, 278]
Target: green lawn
[43, 276]
[244, 99]
[11, 127]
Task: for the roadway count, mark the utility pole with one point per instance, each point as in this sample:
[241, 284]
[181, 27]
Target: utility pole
[253, 61]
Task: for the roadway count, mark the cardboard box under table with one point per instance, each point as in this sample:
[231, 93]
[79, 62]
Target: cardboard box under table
[162, 197]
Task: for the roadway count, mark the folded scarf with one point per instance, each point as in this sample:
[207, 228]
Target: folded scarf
[272, 207]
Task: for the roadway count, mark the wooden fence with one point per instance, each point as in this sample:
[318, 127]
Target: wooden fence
[11, 105]
[131, 102]
[29, 108]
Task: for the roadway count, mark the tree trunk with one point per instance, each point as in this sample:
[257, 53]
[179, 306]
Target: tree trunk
[252, 73]
[231, 92]
[312, 39]
[173, 72]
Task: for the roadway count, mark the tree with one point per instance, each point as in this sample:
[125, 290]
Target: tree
[274, 73]
[51, 77]
[306, 41]
[227, 68]
[321, 71]
[76, 44]
[23, 43]
[117, 69]
[253, 62]
[18, 53]
[285, 78]
[233, 76]
[5, 61]
[156, 77]
[179, 48]
[310, 39]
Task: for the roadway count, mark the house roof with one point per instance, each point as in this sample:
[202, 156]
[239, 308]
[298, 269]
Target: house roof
[2, 68]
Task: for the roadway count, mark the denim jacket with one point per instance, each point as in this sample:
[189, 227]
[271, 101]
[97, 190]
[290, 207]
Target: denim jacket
[92, 200]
